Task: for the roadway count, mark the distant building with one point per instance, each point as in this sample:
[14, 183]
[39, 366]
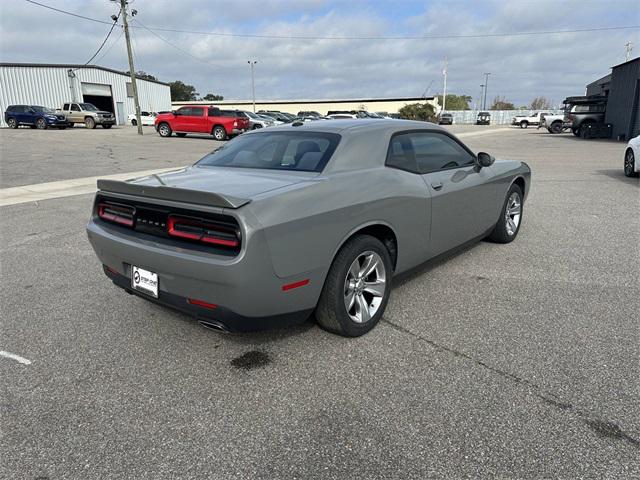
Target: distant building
[622, 88]
[388, 105]
[51, 85]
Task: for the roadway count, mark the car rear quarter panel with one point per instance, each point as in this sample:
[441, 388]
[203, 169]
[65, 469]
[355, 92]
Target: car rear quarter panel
[306, 225]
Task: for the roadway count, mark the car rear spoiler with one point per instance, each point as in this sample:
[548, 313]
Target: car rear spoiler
[162, 192]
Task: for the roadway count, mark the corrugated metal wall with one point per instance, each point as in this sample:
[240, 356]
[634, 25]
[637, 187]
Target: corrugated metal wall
[623, 99]
[50, 87]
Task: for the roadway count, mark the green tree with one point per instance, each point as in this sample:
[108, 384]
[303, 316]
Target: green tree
[210, 97]
[456, 102]
[418, 111]
[500, 103]
[143, 75]
[540, 103]
[181, 92]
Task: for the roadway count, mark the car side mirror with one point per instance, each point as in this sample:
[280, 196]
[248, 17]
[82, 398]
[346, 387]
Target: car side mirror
[485, 160]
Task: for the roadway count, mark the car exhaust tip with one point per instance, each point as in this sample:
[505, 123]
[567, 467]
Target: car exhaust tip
[213, 325]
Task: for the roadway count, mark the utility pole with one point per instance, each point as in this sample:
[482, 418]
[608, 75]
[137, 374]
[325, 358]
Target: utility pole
[486, 85]
[444, 94]
[481, 96]
[629, 47]
[253, 84]
[132, 70]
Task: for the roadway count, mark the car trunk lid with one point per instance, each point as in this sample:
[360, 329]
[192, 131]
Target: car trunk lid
[213, 186]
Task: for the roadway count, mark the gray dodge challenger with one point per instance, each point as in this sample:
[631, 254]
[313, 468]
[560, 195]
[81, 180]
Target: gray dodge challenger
[305, 219]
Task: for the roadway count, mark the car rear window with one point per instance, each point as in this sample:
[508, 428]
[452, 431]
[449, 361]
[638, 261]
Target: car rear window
[297, 151]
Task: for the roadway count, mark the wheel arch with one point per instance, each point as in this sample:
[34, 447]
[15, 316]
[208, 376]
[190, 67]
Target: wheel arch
[377, 229]
[522, 183]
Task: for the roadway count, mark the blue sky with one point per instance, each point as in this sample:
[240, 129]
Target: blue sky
[521, 68]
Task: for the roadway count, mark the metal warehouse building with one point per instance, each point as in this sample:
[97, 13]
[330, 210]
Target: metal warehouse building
[622, 89]
[51, 85]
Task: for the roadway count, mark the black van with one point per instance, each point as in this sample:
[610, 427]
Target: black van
[484, 118]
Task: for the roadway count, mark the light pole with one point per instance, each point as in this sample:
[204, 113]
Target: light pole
[253, 84]
[486, 84]
[481, 95]
[444, 93]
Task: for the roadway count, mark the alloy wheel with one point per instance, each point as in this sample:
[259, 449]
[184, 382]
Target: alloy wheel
[164, 130]
[41, 124]
[12, 123]
[512, 213]
[628, 163]
[364, 287]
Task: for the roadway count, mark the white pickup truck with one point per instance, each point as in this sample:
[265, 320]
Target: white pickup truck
[525, 120]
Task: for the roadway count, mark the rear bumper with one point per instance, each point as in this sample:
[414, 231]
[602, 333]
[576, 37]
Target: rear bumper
[223, 317]
[245, 288]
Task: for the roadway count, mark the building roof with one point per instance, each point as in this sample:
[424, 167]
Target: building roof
[77, 67]
[318, 101]
[628, 61]
[601, 81]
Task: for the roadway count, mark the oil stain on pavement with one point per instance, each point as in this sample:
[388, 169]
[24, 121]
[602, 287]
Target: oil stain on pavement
[251, 360]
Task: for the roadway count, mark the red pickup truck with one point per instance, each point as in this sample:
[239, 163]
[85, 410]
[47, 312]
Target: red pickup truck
[199, 119]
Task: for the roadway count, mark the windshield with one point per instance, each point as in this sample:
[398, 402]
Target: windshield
[38, 108]
[297, 151]
[89, 107]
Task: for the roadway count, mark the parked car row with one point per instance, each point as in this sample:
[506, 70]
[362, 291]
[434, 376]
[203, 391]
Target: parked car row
[36, 116]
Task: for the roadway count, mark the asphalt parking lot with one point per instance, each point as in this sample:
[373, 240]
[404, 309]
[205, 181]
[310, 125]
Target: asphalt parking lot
[510, 361]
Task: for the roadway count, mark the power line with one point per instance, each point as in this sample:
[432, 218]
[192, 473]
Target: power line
[113, 44]
[104, 41]
[306, 37]
[172, 44]
[67, 13]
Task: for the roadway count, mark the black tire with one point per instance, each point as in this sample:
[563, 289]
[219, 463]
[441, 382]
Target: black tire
[41, 124]
[583, 131]
[331, 312]
[181, 134]
[12, 123]
[503, 232]
[107, 126]
[524, 124]
[556, 127]
[575, 131]
[134, 122]
[164, 130]
[219, 133]
[89, 123]
[629, 164]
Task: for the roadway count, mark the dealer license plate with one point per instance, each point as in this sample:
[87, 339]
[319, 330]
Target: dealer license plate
[144, 281]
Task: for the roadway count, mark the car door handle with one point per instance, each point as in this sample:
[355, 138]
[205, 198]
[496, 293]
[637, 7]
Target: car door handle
[436, 185]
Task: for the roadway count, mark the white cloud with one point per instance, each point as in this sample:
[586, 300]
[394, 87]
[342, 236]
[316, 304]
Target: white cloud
[521, 67]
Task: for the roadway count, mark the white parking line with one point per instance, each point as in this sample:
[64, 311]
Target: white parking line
[64, 188]
[15, 357]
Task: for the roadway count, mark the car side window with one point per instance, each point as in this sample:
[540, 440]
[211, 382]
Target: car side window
[214, 112]
[75, 107]
[66, 106]
[184, 111]
[197, 112]
[434, 152]
[400, 154]
[144, 114]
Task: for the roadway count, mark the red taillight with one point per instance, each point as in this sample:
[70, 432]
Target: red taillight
[120, 214]
[202, 231]
[235, 123]
[201, 303]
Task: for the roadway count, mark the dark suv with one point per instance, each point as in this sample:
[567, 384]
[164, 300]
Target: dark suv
[584, 113]
[35, 116]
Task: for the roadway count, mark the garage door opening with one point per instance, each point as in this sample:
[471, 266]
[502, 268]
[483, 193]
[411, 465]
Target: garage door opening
[103, 103]
[100, 95]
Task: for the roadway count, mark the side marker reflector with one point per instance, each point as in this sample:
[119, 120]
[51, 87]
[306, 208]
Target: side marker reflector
[291, 286]
[200, 303]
